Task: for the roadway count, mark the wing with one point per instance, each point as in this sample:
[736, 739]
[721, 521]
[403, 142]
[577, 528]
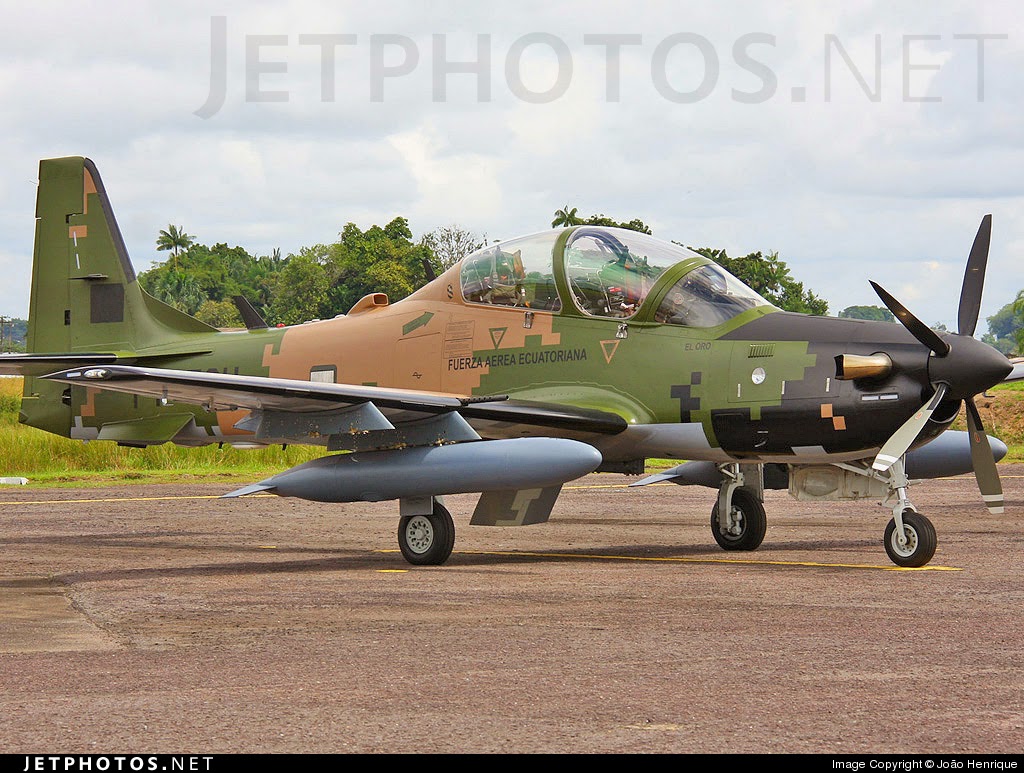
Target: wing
[407, 444]
[41, 364]
[351, 417]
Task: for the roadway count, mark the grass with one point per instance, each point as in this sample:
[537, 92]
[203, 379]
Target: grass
[50, 460]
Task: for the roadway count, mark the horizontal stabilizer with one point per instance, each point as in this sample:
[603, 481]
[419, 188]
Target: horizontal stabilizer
[150, 430]
[41, 364]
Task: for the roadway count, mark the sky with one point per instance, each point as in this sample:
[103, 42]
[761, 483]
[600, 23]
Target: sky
[859, 140]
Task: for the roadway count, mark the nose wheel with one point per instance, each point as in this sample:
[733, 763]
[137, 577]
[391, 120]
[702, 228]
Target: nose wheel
[917, 544]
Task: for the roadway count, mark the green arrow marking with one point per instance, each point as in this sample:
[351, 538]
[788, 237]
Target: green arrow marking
[420, 321]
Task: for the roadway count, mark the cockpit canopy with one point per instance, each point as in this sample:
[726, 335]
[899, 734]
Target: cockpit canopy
[608, 272]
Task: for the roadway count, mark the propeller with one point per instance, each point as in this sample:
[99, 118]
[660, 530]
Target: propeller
[959, 368]
[984, 462]
[901, 439]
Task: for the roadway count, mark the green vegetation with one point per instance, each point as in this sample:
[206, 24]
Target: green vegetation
[318, 282]
[201, 274]
[876, 313]
[769, 276]
[1006, 327]
[568, 217]
[1002, 413]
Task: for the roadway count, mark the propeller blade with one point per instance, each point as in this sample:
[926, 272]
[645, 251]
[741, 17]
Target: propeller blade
[917, 328]
[985, 471]
[974, 279]
[902, 438]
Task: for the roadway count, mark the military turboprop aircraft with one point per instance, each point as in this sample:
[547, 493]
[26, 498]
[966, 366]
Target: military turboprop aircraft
[528, 364]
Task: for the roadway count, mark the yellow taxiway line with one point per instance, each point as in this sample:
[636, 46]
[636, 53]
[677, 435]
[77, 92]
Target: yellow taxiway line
[681, 560]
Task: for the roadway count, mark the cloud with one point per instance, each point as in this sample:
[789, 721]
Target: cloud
[811, 138]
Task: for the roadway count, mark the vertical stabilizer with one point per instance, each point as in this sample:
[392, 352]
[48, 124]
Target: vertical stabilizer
[85, 295]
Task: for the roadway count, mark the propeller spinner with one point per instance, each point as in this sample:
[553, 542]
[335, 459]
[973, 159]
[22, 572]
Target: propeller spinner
[959, 369]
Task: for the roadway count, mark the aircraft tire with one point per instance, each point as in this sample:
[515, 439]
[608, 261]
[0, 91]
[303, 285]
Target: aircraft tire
[753, 523]
[427, 540]
[921, 540]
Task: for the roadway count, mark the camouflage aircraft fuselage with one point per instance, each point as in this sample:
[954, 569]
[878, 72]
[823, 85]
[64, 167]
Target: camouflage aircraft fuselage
[529, 363]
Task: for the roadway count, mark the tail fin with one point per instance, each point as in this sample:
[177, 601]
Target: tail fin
[85, 295]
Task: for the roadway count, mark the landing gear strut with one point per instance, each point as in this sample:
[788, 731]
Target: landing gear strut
[909, 537]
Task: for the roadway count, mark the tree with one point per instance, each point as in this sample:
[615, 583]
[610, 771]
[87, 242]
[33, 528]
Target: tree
[1006, 327]
[769, 276]
[219, 272]
[300, 291]
[378, 259]
[636, 224]
[566, 217]
[1018, 311]
[449, 245]
[175, 288]
[174, 239]
[878, 313]
[12, 334]
[219, 314]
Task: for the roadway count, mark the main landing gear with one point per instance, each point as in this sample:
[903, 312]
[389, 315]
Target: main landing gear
[427, 540]
[738, 520]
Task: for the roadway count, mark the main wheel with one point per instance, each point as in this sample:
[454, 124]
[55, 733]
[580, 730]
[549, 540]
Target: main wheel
[921, 540]
[751, 523]
[427, 540]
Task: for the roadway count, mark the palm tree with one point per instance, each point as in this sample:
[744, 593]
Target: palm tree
[566, 217]
[174, 239]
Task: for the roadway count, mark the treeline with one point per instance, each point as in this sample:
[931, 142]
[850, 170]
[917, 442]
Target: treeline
[318, 282]
[324, 280]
